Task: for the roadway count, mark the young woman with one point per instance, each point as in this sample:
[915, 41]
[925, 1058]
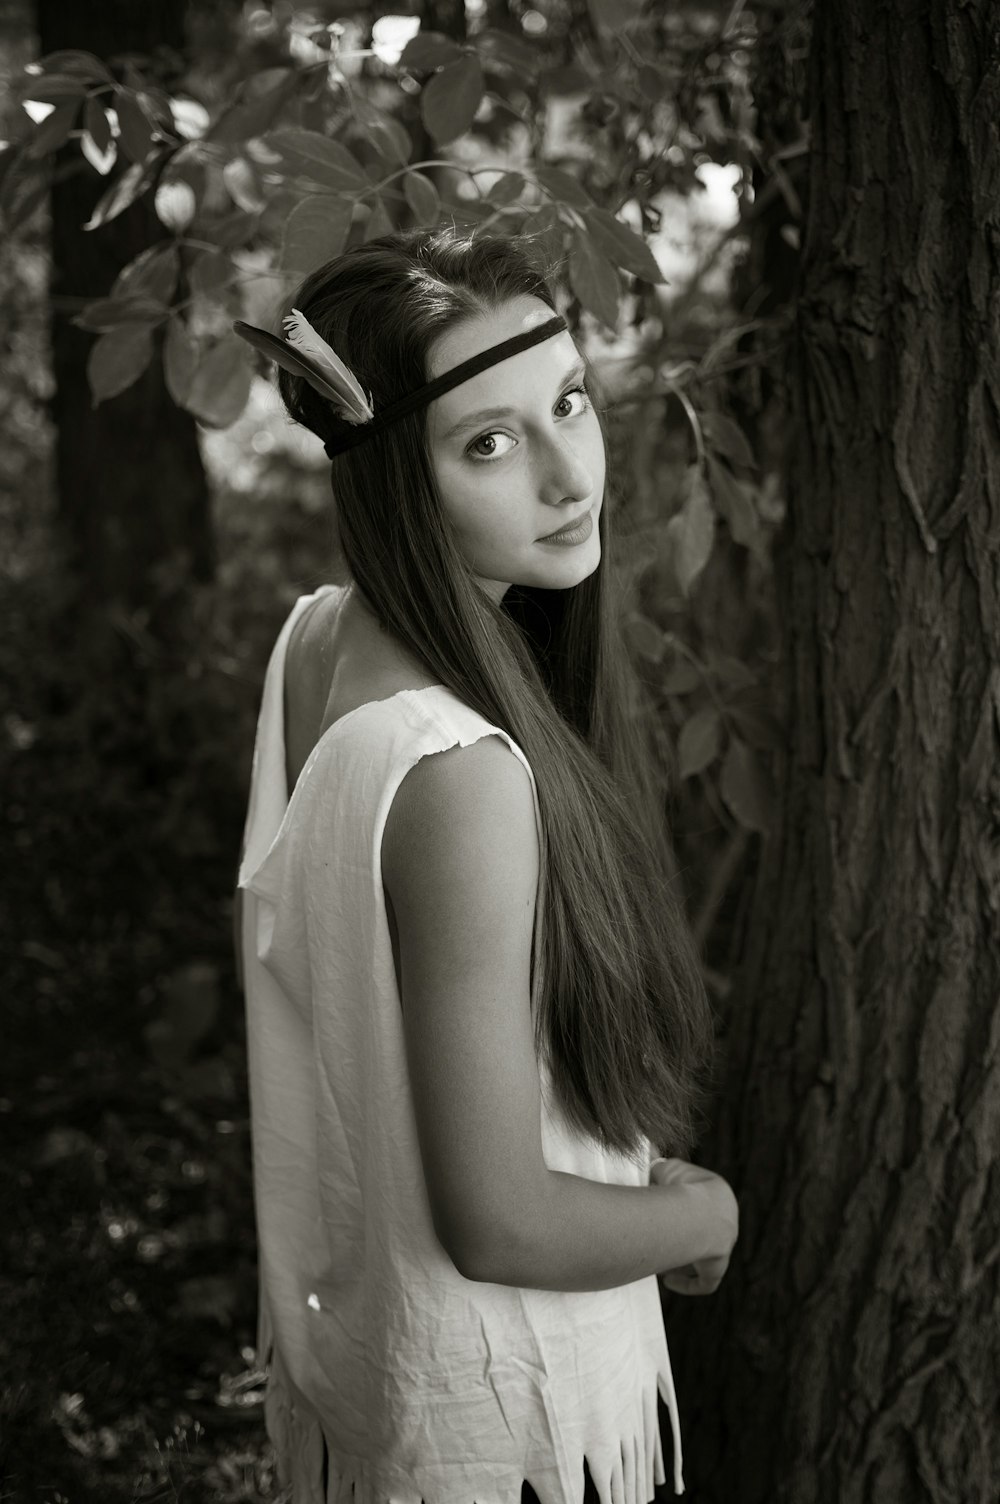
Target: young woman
[474, 1006]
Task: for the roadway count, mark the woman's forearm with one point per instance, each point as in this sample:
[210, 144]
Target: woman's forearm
[586, 1235]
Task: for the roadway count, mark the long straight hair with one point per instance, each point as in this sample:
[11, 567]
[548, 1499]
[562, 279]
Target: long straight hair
[622, 1015]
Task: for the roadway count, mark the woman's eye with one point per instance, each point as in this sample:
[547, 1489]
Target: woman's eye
[476, 453]
[584, 395]
[483, 439]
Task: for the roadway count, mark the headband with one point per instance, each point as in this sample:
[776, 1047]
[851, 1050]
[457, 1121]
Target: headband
[305, 353]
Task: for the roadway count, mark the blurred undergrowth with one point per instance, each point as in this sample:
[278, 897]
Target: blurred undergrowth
[128, 1288]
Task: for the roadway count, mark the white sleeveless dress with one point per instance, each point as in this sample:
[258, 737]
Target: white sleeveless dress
[393, 1379]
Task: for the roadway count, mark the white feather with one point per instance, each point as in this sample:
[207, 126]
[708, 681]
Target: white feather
[300, 333]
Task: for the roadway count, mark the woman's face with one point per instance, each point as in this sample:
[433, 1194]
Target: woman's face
[517, 452]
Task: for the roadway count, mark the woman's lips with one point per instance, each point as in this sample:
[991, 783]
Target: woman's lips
[569, 527]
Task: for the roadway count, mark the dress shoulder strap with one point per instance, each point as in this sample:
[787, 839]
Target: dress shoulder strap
[268, 787]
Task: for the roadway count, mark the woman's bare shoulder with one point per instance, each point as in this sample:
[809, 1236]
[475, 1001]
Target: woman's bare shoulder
[461, 817]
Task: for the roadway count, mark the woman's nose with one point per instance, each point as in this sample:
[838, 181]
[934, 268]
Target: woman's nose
[566, 472]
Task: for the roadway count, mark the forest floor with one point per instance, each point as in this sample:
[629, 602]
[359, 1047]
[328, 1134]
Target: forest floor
[128, 1280]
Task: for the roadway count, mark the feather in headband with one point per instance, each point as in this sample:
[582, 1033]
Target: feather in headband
[305, 353]
[331, 378]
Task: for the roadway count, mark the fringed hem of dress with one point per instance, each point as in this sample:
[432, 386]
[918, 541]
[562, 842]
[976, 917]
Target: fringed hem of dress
[311, 1472]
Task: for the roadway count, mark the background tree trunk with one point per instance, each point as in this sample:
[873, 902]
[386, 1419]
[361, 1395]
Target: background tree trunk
[853, 1352]
[132, 491]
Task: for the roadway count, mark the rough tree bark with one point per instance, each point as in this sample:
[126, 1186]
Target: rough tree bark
[853, 1352]
[132, 490]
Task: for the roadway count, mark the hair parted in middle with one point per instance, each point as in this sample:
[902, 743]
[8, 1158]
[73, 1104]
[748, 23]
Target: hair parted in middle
[622, 1015]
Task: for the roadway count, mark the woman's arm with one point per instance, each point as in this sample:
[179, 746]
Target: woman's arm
[460, 863]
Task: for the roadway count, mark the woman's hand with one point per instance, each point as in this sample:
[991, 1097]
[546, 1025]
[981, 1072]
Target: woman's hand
[705, 1275]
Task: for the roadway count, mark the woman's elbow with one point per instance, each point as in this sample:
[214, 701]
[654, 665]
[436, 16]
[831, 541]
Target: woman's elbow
[484, 1268]
[486, 1256]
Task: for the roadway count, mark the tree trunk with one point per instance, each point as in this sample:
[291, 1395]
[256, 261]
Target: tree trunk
[853, 1352]
[132, 491]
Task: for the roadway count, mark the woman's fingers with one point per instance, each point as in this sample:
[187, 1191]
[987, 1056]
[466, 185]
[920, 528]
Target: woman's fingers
[687, 1285]
[703, 1278]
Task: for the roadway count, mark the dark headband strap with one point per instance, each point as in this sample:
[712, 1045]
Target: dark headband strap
[424, 394]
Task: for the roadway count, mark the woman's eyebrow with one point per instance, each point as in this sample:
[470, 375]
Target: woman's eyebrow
[576, 369]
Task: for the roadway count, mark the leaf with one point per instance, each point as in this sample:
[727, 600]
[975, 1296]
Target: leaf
[732, 671]
[123, 192]
[96, 124]
[112, 313]
[118, 359]
[422, 197]
[547, 234]
[243, 185]
[593, 279]
[54, 88]
[24, 185]
[175, 205]
[681, 677]
[234, 229]
[190, 118]
[156, 105]
[744, 787]
[180, 360]
[10, 159]
[220, 385]
[308, 154]
[428, 50]
[469, 213]
[564, 188]
[249, 117]
[622, 246]
[543, 220]
[71, 60]
[506, 189]
[734, 503]
[727, 438]
[210, 272]
[315, 232]
[390, 140]
[757, 726]
[135, 129]
[700, 741]
[506, 49]
[647, 639]
[378, 222]
[690, 533]
[151, 274]
[179, 191]
[450, 99]
[36, 112]
[30, 194]
[614, 15]
[52, 132]
[101, 162]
